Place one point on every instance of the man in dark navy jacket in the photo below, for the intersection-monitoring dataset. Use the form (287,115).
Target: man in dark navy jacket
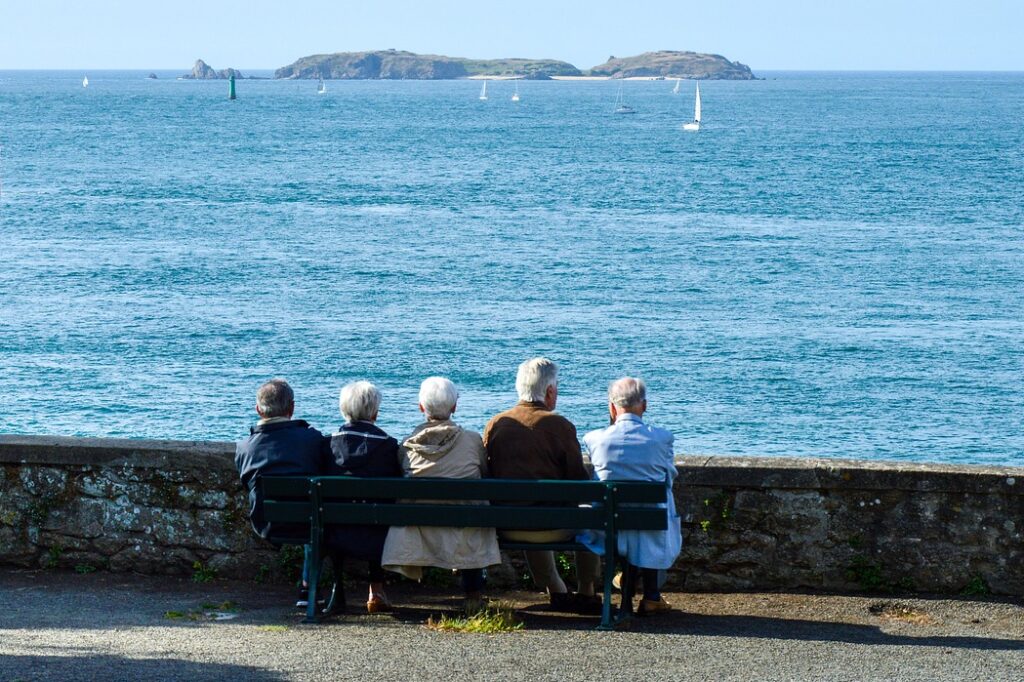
(277,446)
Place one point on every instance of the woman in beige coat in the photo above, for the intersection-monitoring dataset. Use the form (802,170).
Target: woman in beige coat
(440,448)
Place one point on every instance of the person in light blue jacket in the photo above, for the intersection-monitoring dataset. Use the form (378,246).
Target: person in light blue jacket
(630,450)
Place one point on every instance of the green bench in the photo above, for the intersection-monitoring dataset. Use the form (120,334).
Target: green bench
(320,501)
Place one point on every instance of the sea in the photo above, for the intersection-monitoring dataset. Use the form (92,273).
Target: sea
(833,266)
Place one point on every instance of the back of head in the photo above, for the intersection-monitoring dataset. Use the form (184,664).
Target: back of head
(275,398)
(359,401)
(534,377)
(627,393)
(438,397)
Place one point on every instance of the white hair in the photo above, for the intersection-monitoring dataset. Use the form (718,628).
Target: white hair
(359,401)
(274,399)
(627,392)
(534,377)
(438,397)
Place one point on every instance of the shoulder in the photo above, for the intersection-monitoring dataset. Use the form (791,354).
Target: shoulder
(660,434)
(472,437)
(595,437)
(556,422)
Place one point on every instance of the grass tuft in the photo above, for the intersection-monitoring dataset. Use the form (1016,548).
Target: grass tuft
(902,612)
(273,628)
(495,617)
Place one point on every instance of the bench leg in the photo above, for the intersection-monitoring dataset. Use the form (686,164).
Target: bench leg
(314,579)
(606,607)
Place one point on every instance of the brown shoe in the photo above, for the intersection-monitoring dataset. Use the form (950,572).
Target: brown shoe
(379,604)
(651,608)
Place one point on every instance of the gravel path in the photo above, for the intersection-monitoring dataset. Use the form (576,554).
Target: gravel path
(60,626)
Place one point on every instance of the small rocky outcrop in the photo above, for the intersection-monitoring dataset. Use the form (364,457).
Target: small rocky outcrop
(202,71)
(151,76)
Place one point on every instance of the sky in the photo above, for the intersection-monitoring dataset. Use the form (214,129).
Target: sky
(764,34)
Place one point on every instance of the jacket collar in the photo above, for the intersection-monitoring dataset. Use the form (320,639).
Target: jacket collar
(277,426)
(629,417)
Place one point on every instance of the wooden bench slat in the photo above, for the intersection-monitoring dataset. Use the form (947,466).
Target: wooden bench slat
(525,518)
(278,511)
(285,486)
(455,489)
(477,516)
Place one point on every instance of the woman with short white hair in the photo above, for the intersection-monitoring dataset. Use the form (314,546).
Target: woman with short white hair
(440,448)
(360,448)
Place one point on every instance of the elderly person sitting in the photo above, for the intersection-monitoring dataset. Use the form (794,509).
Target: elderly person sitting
(359,448)
(531,442)
(630,450)
(278,446)
(440,448)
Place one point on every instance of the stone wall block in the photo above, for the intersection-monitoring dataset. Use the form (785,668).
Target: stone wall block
(148,558)
(83,517)
(44,481)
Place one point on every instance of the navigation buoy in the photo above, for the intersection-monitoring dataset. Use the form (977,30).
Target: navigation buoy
(231,87)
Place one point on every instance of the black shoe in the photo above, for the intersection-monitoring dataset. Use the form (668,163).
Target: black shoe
(572,602)
(587,604)
(561,601)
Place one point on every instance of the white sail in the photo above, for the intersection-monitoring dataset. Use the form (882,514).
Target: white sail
(483,92)
(515,95)
(694,125)
(322,88)
(85,82)
(675,90)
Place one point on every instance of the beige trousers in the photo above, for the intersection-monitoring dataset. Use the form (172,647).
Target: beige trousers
(543,568)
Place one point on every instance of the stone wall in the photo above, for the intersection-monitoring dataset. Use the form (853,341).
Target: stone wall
(770,523)
(126,505)
(748,523)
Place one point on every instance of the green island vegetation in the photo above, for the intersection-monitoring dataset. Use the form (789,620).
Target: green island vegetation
(401,65)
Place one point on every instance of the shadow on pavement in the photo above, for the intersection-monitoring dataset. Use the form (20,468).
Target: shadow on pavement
(537,618)
(94,666)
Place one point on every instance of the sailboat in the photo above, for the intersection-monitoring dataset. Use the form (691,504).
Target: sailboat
(620,106)
(675,90)
(483,92)
(85,82)
(322,88)
(515,95)
(695,124)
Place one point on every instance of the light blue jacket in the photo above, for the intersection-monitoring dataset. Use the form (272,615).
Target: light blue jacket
(630,450)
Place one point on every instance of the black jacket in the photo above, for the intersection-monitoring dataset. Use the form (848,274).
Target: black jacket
(361,449)
(291,448)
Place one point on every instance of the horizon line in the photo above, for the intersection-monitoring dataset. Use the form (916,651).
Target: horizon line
(773,70)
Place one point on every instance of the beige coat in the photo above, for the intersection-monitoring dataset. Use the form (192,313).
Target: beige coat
(441,449)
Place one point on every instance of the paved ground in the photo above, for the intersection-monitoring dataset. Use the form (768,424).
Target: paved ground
(61,626)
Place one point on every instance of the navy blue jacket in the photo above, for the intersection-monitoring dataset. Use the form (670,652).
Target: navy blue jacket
(361,449)
(291,448)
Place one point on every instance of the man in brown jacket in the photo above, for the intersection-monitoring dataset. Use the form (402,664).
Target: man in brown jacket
(530,441)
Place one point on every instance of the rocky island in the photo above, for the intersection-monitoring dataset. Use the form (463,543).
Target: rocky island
(202,71)
(671,64)
(400,65)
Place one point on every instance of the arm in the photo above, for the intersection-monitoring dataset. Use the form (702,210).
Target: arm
(573,468)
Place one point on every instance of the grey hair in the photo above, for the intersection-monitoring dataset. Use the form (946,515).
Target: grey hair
(438,397)
(534,377)
(627,392)
(359,401)
(274,399)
